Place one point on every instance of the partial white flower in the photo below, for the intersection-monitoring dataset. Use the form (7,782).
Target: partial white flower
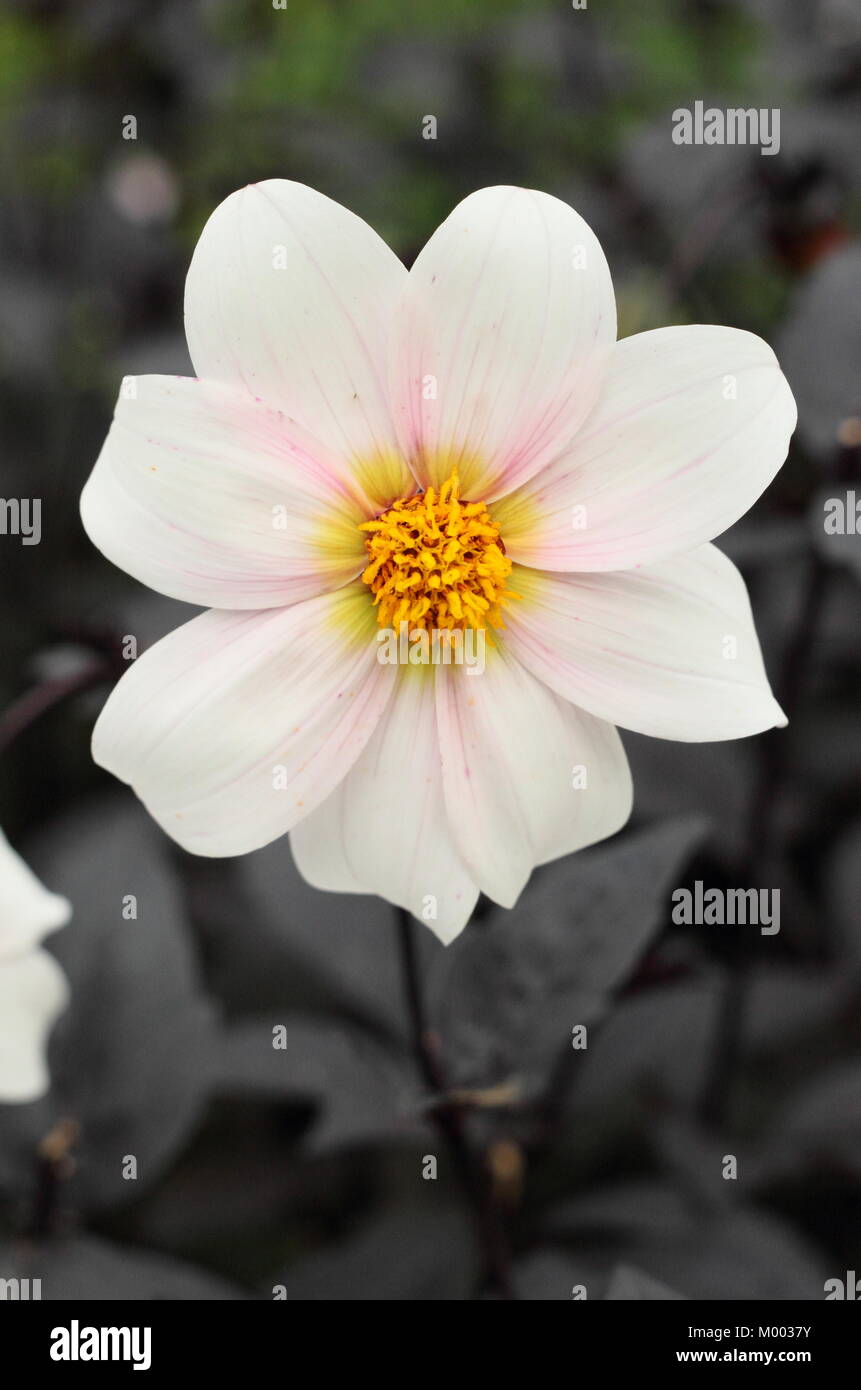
(464,446)
(33,989)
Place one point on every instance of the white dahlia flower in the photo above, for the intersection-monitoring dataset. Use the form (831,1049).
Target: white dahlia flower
(462,448)
(33,989)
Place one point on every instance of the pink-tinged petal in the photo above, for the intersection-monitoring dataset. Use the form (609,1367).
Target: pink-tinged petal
(28,912)
(237,725)
(385,827)
(291,297)
(319,846)
(692,426)
(527,776)
(33,992)
(503,340)
(668,650)
(211,497)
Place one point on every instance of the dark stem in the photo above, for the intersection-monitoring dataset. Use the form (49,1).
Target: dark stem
(794,670)
(55,1164)
(450,1120)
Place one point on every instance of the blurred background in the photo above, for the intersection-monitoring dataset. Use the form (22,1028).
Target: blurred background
(305,1170)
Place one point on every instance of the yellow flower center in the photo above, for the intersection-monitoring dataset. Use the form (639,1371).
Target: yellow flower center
(435,561)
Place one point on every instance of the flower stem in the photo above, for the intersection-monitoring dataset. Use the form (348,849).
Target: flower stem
(450,1121)
(55,1164)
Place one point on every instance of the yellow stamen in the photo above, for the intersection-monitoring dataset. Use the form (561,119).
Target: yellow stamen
(435,561)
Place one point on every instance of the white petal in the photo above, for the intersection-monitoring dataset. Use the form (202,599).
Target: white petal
(669,650)
(33,991)
(386,828)
(527,776)
(692,426)
(234,727)
(292,297)
(503,340)
(27,910)
(319,845)
(208,496)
